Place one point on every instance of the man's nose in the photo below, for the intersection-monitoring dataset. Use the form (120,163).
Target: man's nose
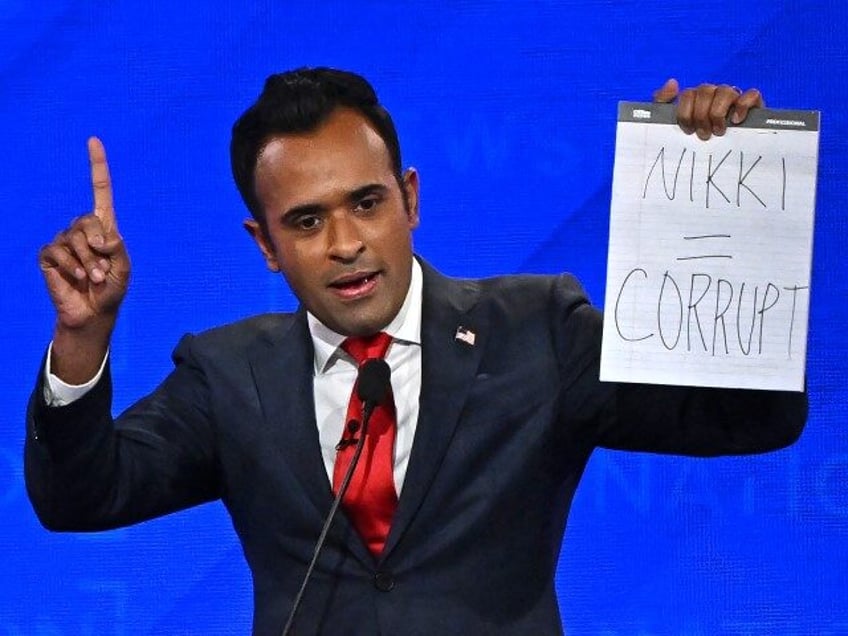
(343,236)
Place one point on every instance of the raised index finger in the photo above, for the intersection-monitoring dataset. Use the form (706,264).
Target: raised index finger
(101,184)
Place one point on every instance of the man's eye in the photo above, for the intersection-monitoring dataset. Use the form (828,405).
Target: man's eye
(368,204)
(307,222)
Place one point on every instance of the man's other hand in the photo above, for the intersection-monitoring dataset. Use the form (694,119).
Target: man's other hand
(706,109)
(86,269)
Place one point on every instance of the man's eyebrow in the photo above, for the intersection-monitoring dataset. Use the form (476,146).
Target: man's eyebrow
(307,209)
(364,191)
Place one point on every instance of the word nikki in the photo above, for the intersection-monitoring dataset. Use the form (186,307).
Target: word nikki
(718,179)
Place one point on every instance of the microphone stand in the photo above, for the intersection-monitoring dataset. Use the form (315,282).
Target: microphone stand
(367,409)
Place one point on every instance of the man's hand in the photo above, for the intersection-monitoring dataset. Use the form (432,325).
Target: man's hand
(705,110)
(87,270)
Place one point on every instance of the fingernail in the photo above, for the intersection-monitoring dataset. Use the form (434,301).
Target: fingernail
(736,118)
(98,240)
(104,264)
(79,272)
(96,275)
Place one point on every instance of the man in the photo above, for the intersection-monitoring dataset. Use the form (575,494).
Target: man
(495,400)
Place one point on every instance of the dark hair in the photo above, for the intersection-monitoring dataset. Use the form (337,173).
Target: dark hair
(300,101)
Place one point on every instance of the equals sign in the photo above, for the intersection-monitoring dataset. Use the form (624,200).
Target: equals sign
(701,237)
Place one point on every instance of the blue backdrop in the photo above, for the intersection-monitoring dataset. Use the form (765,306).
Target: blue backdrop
(508,111)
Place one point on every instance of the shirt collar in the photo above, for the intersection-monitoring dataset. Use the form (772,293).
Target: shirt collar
(404,327)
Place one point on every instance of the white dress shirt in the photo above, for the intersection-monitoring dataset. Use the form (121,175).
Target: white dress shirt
(335,373)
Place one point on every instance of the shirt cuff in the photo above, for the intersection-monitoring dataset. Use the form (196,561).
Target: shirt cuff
(59,393)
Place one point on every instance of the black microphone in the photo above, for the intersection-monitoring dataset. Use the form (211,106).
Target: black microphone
(344,442)
(373,383)
(372,386)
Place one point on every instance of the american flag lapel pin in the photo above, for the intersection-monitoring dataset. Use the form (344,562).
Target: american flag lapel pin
(464,334)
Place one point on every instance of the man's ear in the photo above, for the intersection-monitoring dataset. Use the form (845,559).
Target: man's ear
(410,186)
(260,236)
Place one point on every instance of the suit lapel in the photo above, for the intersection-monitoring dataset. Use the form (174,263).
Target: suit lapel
(282,370)
(282,367)
(449,365)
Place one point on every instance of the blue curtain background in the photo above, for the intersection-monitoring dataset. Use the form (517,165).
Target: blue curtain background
(508,111)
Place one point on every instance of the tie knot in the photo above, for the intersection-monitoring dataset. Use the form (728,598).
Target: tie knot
(364,348)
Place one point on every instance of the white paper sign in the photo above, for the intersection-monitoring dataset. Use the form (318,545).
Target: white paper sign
(708,273)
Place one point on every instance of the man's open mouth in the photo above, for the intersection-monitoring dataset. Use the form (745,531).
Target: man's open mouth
(355,285)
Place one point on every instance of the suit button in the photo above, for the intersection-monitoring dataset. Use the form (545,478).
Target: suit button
(384,581)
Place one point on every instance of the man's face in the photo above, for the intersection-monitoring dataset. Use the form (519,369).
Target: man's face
(337,226)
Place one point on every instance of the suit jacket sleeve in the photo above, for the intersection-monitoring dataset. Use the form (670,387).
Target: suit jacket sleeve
(694,421)
(86,471)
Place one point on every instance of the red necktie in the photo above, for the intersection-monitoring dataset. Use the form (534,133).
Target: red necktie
(370,500)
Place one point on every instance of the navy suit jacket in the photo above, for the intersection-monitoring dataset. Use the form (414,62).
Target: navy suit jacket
(505,429)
